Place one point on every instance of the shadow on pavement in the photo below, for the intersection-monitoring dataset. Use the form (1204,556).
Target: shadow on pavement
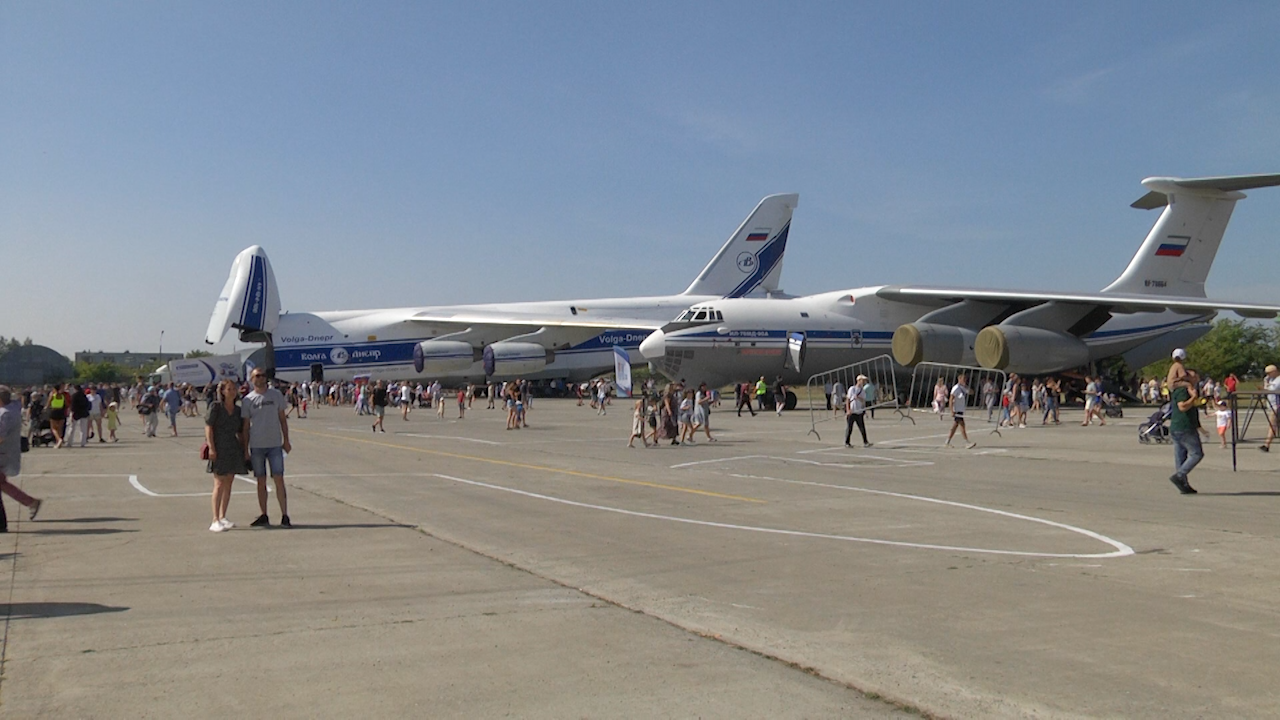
(88,520)
(1247,493)
(30,611)
(78,531)
(343,526)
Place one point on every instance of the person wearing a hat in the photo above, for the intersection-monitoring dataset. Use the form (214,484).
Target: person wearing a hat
(855,406)
(1271,383)
(1178,370)
(1184,424)
(113,420)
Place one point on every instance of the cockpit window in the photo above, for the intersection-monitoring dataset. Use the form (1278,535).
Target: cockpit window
(702,315)
(685,316)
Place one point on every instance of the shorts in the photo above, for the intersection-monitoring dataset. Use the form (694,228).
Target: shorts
(260,458)
(380,410)
(959,419)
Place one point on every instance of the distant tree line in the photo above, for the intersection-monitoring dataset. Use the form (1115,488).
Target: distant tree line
(1232,346)
(7,344)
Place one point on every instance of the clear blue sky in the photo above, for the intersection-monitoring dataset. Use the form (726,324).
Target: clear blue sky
(389,154)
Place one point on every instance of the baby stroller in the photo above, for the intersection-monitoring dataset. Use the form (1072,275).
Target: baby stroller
(41,433)
(1155,428)
(1111,406)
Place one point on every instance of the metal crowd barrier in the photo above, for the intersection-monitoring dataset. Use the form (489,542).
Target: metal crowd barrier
(883,390)
(1253,401)
(925,377)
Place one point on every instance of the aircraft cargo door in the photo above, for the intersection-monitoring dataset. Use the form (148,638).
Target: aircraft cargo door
(796,347)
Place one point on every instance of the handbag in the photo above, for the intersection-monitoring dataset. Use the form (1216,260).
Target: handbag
(204,451)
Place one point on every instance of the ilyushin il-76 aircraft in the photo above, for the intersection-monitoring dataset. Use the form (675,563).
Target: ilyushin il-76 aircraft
(1158,303)
(567,339)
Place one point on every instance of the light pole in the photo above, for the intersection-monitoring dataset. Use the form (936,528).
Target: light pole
(161,356)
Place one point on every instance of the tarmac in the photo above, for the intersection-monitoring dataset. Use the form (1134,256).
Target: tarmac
(452,568)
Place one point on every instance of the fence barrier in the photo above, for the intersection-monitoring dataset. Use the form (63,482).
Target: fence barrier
(985,388)
(831,386)
(1253,401)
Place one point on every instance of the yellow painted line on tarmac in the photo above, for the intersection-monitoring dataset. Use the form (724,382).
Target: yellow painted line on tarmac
(542,468)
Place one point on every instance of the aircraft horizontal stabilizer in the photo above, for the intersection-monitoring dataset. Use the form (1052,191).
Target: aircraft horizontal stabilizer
(1162,187)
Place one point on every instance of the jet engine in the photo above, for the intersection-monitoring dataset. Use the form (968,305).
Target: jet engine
(926,342)
(511,359)
(1029,350)
(443,356)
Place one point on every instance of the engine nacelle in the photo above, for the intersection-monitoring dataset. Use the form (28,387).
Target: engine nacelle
(1029,350)
(443,356)
(511,359)
(925,342)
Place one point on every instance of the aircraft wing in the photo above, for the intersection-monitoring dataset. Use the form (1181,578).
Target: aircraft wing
(549,331)
(1115,303)
(533,321)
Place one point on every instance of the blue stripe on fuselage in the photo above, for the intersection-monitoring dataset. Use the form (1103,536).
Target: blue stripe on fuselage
(385,352)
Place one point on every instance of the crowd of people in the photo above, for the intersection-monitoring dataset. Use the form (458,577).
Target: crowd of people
(246,425)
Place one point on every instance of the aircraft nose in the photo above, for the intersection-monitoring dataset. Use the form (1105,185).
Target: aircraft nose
(654,346)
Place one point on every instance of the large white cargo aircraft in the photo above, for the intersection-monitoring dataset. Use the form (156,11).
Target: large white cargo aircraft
(568,339)
(1158,303)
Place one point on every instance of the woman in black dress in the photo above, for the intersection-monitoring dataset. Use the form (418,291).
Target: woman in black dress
(227,449)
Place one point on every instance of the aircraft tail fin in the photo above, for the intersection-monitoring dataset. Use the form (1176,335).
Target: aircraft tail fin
(1176,255)
(249,301)
(751,260)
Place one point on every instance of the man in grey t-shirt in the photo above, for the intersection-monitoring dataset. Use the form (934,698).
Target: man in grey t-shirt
(268,430)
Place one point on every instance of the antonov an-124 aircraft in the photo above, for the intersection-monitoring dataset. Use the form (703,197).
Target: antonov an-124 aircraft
(568,339)
(1158,303)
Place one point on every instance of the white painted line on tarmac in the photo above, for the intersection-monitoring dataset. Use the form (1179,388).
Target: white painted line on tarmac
(909,439)
(717,460)
(133,480)
(137,485)
(886,462)
(451,437)
(1121,549)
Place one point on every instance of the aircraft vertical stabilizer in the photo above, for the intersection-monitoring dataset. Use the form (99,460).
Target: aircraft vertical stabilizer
(1176,256)
(249,301)
(751,260)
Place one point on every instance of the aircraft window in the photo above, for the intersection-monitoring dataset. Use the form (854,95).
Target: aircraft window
(719,316)
(702,315)
(804,314)
(684,316)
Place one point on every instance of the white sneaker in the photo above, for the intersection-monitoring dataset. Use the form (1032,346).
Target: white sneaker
(216,527)
(971,446)
(226,524)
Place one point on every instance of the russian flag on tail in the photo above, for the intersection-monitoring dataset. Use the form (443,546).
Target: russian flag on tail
(1174,246)
(758,236)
